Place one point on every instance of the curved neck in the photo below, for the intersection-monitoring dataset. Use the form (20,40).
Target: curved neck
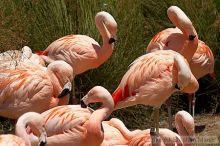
(180,20)
(21,125)
(185,126)
(56,83)
(94,128)
(184,73)
(105,24)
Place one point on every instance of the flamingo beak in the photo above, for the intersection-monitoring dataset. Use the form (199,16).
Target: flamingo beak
(191,37)
(66,90)
(111,40)
(177,87)
(83,102)
(42,143)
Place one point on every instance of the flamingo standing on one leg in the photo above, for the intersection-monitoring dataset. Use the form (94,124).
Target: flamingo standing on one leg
(31,87)
(35,123)
(81,51)
(13,58)
(201,59)
(72,125)
(152,79)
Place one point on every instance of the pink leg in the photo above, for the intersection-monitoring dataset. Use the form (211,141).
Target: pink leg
(190,103)
(193,104)
(192,100)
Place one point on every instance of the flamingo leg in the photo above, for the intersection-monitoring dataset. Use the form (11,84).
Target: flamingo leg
(193,104)
(73,99)
(155,138)
(156,119)
(190,103)
(168,103)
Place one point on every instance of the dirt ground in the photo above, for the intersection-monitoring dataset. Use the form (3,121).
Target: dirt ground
(207,130)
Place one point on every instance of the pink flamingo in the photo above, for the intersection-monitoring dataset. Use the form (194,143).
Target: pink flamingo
(116,133)
(13,58)
(201,59)
(81,51)
(152,79)
(72,125)
(34,122)
(185,126)
(35,88)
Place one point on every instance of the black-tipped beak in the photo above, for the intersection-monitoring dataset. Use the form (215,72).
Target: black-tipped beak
(64,93)
(191,37)
(42,143)
(66,90)
(177,87)
(111,40)
(83,105)
(192,139)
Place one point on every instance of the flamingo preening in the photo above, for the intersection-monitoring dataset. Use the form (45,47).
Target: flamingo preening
(32,87)
(72,125)
(200,58)
(152,79)
(34,122)
(83,52)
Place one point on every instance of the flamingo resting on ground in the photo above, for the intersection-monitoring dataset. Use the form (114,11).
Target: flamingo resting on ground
(201,59)
(152,79)
(185,126)
(31,87)
(34,122)
(81,51)
(14,58)
(72,125)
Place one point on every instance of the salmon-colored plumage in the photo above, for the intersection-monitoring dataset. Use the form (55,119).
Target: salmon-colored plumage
(200,57)
(32,87)
(13,58)
(72,125)
(83,52)
(151,80)
(34,122)
(185,126)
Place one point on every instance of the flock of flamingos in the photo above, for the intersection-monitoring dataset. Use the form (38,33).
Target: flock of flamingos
(35,87)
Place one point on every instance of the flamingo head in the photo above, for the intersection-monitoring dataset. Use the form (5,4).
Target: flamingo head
(99,94)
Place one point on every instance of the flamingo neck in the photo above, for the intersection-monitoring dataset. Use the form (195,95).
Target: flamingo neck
(107,48)
(180,20)
(21,129)
(182,131)
(56,83)
(94,128)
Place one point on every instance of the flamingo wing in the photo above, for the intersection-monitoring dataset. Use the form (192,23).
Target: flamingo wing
(24,88)
(148,77)
(77,50)
(11,140)
(203,61)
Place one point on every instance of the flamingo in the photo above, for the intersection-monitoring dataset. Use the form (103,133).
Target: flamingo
(13,58)
(34,122)
(201,59)
(70,125)
(31,87)
(186,134)
(83,52)
(152,79)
